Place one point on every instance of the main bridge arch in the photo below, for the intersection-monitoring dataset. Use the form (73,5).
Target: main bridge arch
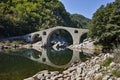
(61,34)
(75,33)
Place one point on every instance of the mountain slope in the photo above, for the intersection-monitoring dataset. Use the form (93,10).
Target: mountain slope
(19,17)
(80,20)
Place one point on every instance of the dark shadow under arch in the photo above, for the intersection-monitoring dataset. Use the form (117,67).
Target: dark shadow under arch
(36,37)
(60,33)
(60,57)
(83,36)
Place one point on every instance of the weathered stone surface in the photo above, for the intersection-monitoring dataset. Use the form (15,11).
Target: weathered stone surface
(106,77)
(112,64)
(98,76)
(118,78)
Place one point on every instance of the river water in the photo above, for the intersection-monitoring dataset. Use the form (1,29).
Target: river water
(17,64)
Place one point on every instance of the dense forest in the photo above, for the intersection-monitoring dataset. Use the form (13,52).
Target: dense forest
(19,17)
(105,25)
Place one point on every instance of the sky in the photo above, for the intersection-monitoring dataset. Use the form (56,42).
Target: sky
(84,7)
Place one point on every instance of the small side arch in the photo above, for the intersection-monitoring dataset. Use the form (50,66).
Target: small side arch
(36,37)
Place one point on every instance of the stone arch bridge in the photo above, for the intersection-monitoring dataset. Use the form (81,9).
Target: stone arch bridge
(44,35)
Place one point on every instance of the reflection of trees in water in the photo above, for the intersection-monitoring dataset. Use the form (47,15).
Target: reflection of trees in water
(15,63)
(36,54)
(84,56)
(60,57)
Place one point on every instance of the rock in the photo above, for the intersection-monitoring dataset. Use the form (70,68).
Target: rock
(83,74)
(54,73)
(79,78)
(98,76)
(96,58)
(60,79)
(39,76)
(60,75)
(106,77)
(79,70)
(45,72)
(67,78)
(112,64)
(90,73)
(97,67)
(71,69)
(88,70)
(73,77)
(87,78)
(118,78)
(81,64)
(108,55)
(31,78)
(65,72)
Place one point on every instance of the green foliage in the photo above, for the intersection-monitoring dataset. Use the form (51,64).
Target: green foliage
(7,43)
(116,72)
(105,24)
(107,62)
(81,21)
(18,17)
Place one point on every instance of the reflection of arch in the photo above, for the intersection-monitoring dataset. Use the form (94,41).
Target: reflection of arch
(36,55)
(75,57)
(82,37)
(65,33)
(44,33)
(60,57)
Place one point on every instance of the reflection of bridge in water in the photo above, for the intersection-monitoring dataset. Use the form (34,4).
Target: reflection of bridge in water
(43,58)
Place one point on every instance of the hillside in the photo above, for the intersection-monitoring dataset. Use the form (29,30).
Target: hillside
(105,25)
(80,20)
(19,17)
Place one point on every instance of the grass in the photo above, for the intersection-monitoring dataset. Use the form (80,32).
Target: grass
(98,47)
(116,72)
(107,62)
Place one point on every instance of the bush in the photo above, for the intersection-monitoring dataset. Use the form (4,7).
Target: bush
(107,62)
(7,43)
(116,72)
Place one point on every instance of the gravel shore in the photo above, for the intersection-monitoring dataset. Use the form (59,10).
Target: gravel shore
(92,69)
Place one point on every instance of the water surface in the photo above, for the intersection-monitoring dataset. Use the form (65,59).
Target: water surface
(17,64)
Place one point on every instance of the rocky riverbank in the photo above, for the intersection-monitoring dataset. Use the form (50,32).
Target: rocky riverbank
(100,67)
(86,45)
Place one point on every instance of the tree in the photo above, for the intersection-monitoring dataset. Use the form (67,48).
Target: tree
(105,24)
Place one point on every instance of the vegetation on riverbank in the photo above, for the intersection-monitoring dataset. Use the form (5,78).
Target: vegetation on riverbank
(105,25)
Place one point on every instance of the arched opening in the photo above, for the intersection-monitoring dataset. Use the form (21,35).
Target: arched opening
(44,33)
(59,36)
(36,38)
(83,37)
(76,31)
(36,54)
